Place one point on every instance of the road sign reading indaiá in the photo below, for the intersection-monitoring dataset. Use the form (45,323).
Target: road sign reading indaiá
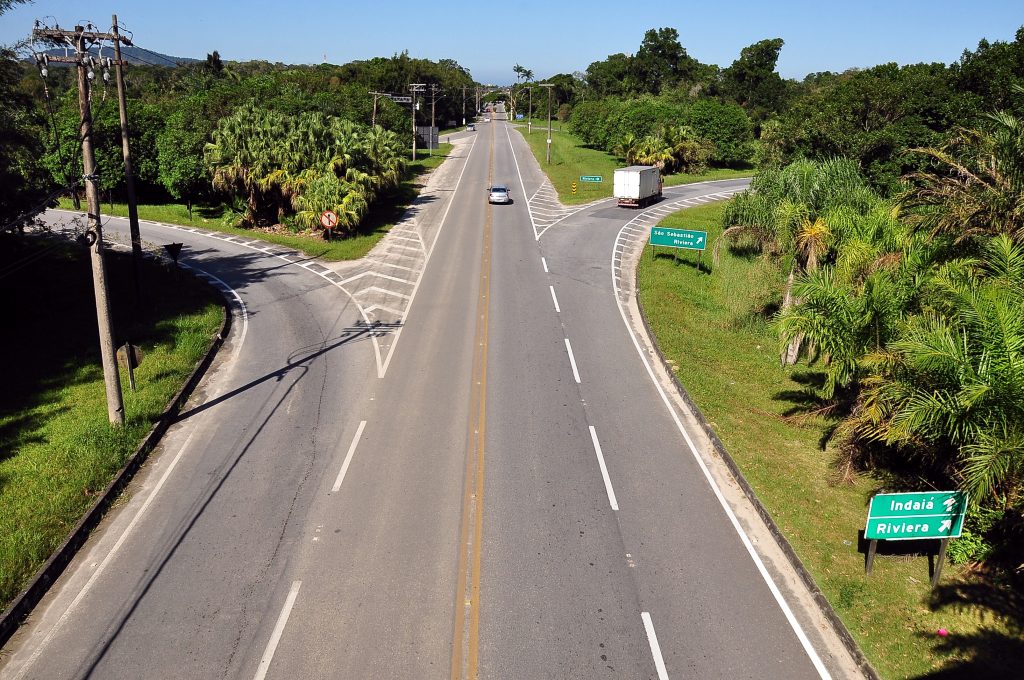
(928,514)
(679,238)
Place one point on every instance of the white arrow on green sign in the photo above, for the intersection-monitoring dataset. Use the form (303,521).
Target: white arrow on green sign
(690,239)
(591,178)
(928,514)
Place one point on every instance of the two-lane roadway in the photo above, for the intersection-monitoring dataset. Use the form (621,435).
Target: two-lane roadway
(514,497)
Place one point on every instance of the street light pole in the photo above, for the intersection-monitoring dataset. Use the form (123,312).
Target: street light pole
(548,86)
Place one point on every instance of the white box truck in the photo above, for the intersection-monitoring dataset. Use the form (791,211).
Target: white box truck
(637,185)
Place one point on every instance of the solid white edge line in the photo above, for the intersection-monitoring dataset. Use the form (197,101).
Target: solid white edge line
(267,251)
(652,639)
(572,361)
(348,457)
(275,637)
(241,304)
(776,593)
(545,263)
(555,300)
(426,260)
(107,559)
(604,470)
(529,212)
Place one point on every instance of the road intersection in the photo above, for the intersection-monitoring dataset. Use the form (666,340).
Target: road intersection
(457,457)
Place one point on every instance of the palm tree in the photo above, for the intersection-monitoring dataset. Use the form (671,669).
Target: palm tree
(953,381)
(975,186)
(626,148)
(246,155)
(786,214)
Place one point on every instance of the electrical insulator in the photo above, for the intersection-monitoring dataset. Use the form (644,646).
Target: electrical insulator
(41,61)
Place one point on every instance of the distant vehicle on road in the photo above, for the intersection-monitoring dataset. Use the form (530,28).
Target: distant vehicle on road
(637,185)
(499,194)
(471,127)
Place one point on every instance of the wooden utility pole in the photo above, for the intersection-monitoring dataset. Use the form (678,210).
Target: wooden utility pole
(94,237)
(415,87)
(129,178)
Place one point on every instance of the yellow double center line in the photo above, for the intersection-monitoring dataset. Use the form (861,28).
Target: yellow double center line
(465,643)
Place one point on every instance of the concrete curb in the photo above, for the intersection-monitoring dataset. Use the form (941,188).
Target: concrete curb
(48,574)
(823,604)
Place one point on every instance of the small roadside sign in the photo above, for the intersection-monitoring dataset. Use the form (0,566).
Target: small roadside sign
(328,219)
(690,239)
(902,516)
(591,178)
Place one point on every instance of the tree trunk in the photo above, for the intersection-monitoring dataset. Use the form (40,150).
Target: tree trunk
(792,351)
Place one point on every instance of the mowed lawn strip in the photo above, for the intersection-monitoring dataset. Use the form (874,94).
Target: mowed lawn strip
(727,358)
(383,216)
(570,160)
(57,449)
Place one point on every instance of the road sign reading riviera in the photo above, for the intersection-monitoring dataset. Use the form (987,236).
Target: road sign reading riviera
(591,178)
(929,514)
(679,238)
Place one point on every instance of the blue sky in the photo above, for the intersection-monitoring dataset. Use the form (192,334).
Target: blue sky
(547,37)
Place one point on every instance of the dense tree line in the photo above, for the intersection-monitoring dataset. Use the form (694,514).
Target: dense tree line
(176,112)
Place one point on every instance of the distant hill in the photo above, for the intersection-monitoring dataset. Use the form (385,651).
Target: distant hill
(134,55)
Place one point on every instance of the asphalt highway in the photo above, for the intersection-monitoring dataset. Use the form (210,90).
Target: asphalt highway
(509,497)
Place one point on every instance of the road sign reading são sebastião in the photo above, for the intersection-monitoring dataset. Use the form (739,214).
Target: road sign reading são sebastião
(690,239)
(928,514)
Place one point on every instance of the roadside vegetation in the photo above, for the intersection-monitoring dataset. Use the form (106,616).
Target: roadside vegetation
(57,449)
(308,240)
(861,329)
(718,333)
(571,159)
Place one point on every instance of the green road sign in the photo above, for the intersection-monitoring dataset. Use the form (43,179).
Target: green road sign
(591,178)
(928,514)
(679,238)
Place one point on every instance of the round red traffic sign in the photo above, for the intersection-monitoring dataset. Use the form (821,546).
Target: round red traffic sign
(328,219)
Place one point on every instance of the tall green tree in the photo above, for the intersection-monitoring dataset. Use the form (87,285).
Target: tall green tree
(752,81)
(180,146)
(661,62)
(23,178)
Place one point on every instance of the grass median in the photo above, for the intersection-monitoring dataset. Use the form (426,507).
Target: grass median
(727,357)
(218,217)
(570,160)
(57,450)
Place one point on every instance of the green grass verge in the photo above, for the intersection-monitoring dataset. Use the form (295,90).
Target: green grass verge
(381,219)
(727,358)
(570,160)
(57,450)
